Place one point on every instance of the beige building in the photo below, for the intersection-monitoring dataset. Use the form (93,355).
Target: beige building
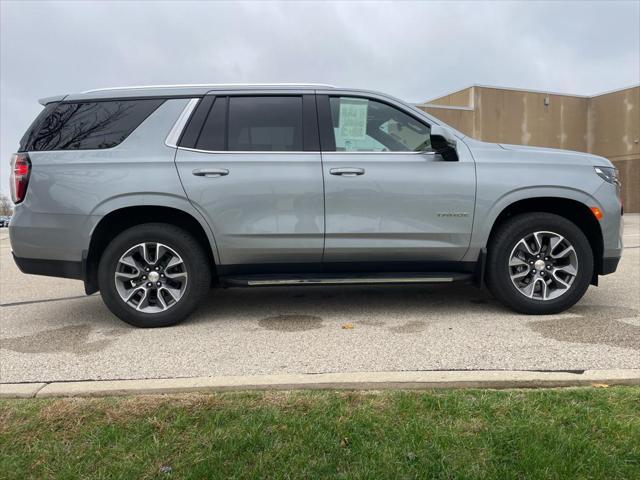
(606,124)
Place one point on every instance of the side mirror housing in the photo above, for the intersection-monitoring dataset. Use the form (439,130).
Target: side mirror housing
(444,143)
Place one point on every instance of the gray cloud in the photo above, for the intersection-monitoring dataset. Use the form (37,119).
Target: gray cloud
(414,50)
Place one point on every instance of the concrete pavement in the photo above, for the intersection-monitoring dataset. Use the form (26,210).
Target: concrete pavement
(49,331)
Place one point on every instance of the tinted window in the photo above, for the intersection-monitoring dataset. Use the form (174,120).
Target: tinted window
(362,125)
(265,124)
(212,136)
(90,125)
(192,131)
(36,126)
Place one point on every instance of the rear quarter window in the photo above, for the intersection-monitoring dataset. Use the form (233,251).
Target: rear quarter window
(86,125)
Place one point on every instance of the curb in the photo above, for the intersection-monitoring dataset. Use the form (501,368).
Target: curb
(20,390)
(351,381)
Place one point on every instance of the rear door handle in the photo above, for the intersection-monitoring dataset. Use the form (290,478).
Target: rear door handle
(347,172)
(210,172)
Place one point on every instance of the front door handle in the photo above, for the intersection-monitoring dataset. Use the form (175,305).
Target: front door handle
(347,172)
(210,172)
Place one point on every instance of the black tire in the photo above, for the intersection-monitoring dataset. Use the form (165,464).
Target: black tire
(499,251)
(195,260)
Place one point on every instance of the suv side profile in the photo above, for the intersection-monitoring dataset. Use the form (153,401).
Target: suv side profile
(152,195)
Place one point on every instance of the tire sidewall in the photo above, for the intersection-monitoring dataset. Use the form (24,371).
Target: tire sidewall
(177,239)
(499,280)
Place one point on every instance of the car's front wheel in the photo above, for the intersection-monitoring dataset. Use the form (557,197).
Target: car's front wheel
(539,263)
(153,275)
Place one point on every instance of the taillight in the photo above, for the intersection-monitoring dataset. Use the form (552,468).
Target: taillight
(20,171)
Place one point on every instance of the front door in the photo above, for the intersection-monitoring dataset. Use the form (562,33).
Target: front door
(253,169)
(388,198)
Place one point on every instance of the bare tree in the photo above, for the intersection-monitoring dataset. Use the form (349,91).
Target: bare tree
(6,206)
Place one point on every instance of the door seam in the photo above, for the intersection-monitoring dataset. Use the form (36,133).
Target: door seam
(324,192)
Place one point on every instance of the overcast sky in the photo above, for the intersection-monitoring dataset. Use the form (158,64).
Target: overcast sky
(413,50)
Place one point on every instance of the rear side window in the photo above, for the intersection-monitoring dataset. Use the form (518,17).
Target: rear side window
(213,130)
(265,124)
(86,125)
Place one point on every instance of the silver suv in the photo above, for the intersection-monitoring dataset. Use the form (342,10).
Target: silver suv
(152,195)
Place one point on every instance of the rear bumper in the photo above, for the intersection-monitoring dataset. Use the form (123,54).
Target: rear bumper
(50,268)
(50,236)
(609,265)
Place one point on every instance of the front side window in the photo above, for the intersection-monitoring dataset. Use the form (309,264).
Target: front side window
(363,125)
(87,125)
(265,124)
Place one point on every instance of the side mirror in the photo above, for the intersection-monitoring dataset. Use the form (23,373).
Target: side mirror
(444,142)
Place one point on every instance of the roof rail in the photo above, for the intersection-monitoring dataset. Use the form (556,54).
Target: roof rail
(213,85)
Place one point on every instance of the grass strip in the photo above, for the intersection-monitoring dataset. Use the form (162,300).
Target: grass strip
(551,433)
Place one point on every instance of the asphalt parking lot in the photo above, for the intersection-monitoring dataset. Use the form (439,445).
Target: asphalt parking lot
(50,331)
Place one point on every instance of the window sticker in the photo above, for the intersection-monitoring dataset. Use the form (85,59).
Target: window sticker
(353,119)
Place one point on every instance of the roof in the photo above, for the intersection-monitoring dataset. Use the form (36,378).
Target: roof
(181,90)
(214,86)
(198,90)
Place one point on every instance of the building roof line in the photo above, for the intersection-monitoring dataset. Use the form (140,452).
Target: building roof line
(528,90)
(447,107)
(637,85)
(447,94)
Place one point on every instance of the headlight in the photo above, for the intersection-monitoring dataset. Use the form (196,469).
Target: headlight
(608,174)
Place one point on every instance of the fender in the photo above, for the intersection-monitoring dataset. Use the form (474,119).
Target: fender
(486,216)
(152,199)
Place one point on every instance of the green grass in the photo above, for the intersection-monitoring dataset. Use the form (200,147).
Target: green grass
(528,434)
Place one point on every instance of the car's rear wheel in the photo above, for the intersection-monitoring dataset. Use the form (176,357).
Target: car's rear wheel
(539,263)
(153,275)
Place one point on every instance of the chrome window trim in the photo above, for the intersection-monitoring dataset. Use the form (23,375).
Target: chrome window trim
(197,150)
(178,127)
(379,153)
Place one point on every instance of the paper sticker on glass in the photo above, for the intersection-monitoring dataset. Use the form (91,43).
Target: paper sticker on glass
(353,118)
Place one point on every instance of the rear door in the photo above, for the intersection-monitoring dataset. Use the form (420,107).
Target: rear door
(251,165)
(388,197)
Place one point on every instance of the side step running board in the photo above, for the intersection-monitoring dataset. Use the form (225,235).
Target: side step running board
(346,279)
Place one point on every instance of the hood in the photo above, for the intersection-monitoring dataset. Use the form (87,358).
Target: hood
(594,160)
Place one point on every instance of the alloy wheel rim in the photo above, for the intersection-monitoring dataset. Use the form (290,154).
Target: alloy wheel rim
(151,277)
(543,265)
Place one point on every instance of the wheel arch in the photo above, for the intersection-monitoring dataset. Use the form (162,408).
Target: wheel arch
(573,210)
(118,220)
